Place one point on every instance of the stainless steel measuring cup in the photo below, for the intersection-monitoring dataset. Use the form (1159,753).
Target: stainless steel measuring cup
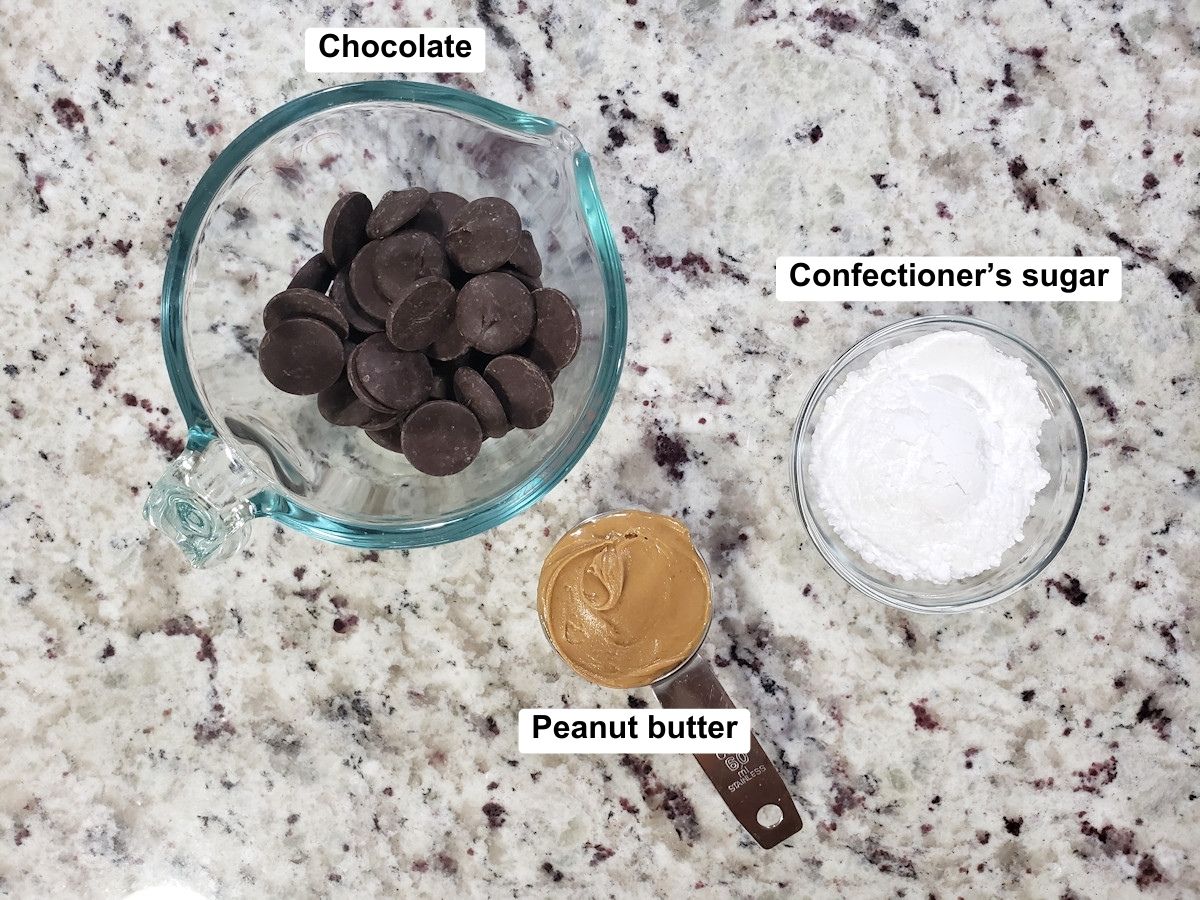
(748,783)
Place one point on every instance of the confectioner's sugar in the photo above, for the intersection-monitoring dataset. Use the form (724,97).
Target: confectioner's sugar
(925,462)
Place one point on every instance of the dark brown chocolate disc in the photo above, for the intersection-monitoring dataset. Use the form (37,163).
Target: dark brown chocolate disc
(483,235)
(523,389)
(362,283)
(360,391)
(343,299)
(390,437)
(556,331)
(525,258)
(304,303)
(314,274)
(394,210)
(396,379)
(473,392)
(436,215)
(420,315)
(301,356)
(441,437)
(528,280)
(448,346)
(495,312)
(381,421)
(346,228)
(405,257)
(339,405)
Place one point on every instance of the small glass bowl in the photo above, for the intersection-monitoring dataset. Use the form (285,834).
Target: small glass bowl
(1063,450)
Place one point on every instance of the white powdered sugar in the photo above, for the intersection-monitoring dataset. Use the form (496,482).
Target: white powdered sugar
(925,462)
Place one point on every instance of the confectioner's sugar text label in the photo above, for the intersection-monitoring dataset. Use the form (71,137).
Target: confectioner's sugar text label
(958,279)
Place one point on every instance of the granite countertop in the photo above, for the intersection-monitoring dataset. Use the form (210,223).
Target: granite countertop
(309,719)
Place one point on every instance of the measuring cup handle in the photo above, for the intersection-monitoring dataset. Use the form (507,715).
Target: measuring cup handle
(749,783)
(203,501)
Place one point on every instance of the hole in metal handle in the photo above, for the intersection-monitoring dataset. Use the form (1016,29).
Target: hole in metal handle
(769,815)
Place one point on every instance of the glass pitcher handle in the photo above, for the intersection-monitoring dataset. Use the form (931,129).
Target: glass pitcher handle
(203,501)
(749,783)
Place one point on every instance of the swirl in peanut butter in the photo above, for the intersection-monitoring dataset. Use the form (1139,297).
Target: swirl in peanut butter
(625,598)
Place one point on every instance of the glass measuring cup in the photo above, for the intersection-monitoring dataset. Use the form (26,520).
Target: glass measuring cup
(257,213)
(748,783)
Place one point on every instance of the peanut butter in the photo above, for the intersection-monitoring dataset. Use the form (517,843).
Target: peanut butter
(625,598)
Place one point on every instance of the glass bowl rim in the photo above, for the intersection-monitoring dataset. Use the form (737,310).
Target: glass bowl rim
(849,574)
(517,498)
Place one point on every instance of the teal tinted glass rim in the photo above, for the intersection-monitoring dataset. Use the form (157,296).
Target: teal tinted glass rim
(612,353)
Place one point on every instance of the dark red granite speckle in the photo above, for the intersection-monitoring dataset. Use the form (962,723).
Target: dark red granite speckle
(185,626)
(1148,872)
(1099,393)
(1013,826)
(659,795)
(1097,775)
(834,20)
(289,172)
(844,798)
(1182,282)
(815,133)
(67,112)
(525,76)
(1166,631)
(100,371)
(172,446)
(555,874)
(671,453)
(207,730)
(886,861)
(662,143)
(671,98)
(1069,587)
(1148,712)
(600,853)
(1149,181)
(1116,842)
(922,718)
(177,31)
(495,814)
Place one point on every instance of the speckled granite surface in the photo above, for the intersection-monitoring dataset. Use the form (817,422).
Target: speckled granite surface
(312,720)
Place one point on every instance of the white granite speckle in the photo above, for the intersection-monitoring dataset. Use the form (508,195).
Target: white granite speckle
(214,730)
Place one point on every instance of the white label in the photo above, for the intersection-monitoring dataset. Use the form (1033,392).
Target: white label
(961,279)
(633,731)
(394,49)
